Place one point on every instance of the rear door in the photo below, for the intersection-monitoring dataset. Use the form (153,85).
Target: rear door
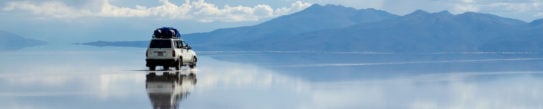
(160,49)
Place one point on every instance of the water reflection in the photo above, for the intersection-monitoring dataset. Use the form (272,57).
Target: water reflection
(166,91)
(107,81)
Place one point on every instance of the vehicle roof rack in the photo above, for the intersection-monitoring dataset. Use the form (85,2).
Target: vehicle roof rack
(166,32)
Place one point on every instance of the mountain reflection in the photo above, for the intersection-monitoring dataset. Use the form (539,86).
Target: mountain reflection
(167,90)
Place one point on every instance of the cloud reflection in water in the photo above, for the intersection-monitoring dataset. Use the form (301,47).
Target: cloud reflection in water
(236,85)
(249,85)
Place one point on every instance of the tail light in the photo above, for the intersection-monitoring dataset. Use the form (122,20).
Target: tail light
(173,53)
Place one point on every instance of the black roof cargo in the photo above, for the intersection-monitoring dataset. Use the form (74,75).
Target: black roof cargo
(166,32)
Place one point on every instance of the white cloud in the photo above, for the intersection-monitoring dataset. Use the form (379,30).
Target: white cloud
(539,14)
(465,6)
(468,1)
(189,10)
(53,9)
(296,6)
(518,7)
(205,11)
(523,9)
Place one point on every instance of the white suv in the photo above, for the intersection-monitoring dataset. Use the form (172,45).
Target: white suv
(169,52)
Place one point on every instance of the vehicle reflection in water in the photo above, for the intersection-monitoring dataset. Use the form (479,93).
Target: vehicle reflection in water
(166,91)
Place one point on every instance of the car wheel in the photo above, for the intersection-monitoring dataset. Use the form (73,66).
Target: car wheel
(192,75)
(193,63)
(151,75)
(166,67)
(178,65)
(152,68)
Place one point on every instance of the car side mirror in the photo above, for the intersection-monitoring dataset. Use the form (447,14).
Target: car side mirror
(188,47)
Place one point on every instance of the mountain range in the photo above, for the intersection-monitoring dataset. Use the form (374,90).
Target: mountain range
(10,42)
(338,28)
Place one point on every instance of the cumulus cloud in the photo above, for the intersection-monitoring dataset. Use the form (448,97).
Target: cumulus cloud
(199,10)
(523,9)
(54,9)
(465,6)
(535,6)
(516,6)
(520,9)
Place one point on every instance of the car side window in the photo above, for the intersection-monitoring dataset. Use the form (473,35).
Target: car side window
(174,44)
(184,44)
(179,44)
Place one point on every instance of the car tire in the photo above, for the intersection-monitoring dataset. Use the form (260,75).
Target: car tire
(166,67)
(192,75)
(178,65)
(193,63)
(152,68)
(151,75)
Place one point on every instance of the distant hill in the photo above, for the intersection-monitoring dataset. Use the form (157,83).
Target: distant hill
(137,44)
(529,38)
(314,18)
(339,28)
(416,32)
(10,41)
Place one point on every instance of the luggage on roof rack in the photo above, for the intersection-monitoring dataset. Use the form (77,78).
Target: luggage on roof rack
(166,32)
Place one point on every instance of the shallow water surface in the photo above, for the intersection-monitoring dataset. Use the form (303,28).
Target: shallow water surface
(112,78)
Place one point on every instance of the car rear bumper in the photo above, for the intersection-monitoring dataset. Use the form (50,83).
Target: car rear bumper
(160,62)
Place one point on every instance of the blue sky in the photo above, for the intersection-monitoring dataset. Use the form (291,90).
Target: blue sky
(94,19)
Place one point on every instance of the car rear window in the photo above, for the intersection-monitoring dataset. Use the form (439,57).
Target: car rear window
(160,44)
